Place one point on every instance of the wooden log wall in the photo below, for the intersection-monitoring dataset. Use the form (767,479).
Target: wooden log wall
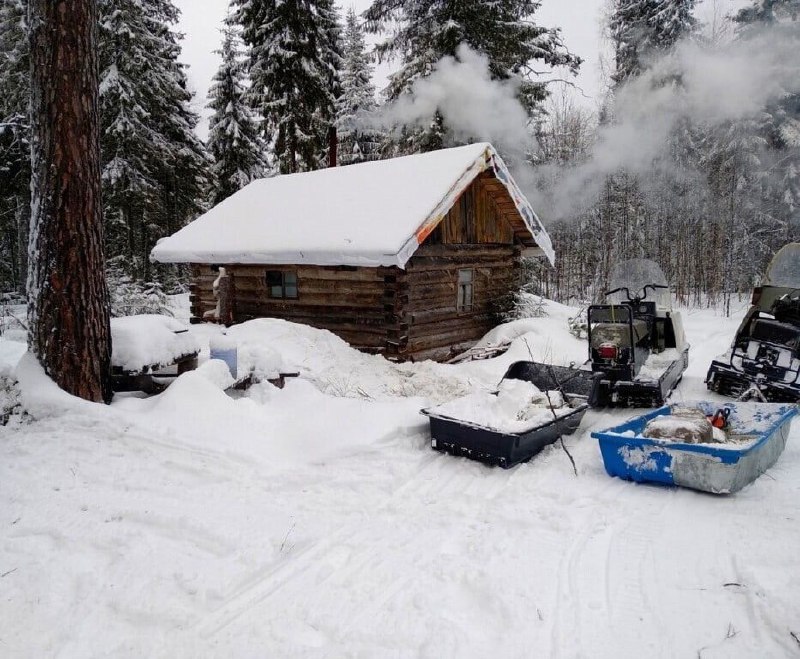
(347,301)
(426,323)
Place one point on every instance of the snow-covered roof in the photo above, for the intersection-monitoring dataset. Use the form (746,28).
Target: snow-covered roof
(370,214)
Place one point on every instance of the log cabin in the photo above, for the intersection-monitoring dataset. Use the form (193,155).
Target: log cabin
(406,257)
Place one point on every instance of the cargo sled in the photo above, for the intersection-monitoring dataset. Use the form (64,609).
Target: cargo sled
(636,340)
(756,436)
(763,362)
(465,437)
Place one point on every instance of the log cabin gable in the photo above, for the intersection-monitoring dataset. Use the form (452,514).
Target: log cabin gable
(476,217)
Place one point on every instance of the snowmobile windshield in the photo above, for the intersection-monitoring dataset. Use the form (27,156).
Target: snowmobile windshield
(634,275)
(784,269)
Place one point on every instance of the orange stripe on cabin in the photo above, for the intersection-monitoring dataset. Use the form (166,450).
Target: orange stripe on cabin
(426,229)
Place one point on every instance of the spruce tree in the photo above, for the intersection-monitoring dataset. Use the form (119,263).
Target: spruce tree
(234,140)
(424,31)
(357,141)
(643,29)
(777,164)
(768,13)
(294,64)
(15,170)
(155,169)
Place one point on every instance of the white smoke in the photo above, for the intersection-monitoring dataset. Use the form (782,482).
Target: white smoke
(473,105)
(706,85)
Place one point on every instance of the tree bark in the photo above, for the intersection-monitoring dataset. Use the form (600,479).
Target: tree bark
(22,216)
(68,306)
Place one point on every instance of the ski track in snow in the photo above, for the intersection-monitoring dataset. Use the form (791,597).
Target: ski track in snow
(123,538)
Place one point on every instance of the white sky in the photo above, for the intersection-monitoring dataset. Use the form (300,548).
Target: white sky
(580,21)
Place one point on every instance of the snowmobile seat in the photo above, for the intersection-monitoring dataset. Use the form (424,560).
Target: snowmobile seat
(765,329)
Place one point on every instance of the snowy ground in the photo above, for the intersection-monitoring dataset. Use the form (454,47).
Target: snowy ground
(315,521)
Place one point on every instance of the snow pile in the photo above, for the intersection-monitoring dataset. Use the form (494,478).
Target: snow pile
(281,428)
(337,369)
(542,339)
(40,396)
(518,406)
(149,340)
(262,362)
(657,363)
(215,371)
(10,354)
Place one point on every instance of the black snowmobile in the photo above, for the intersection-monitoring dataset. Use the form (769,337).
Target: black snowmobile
(764,360)
(636,341)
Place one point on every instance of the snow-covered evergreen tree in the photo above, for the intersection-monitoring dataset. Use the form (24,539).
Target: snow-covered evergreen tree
(424,31)
(155,169)
(15,170)
(768,12)
(294,64)
(234,140)
(778,170)
(643,29)
(357,143)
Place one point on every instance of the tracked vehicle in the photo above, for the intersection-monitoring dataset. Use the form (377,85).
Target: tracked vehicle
(763,363)
(636,340)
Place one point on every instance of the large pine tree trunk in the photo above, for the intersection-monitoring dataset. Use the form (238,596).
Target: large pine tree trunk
(68,299)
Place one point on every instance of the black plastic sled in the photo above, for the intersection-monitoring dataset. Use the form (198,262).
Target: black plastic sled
(457,437)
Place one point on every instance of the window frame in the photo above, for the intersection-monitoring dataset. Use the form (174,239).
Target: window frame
(270,279)
(465,290)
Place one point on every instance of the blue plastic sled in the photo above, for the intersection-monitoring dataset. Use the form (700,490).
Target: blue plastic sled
(761,430)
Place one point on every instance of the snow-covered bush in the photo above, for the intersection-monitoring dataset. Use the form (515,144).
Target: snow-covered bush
(12,313)
(10,408)
(525,304)
(579,324)
(528,301)
(129,297)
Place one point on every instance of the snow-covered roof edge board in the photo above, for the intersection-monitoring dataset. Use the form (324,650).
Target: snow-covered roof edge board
(361,215)
(529,216)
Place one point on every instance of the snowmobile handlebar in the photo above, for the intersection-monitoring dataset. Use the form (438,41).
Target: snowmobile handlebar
(636,298)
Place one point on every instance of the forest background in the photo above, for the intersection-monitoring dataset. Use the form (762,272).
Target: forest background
(691,156)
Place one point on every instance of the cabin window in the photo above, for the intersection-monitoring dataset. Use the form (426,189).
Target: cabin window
(464,302)
(282,285)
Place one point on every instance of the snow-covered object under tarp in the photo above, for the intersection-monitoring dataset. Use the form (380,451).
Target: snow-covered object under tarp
(147,340)
(369,214)
(517,406)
